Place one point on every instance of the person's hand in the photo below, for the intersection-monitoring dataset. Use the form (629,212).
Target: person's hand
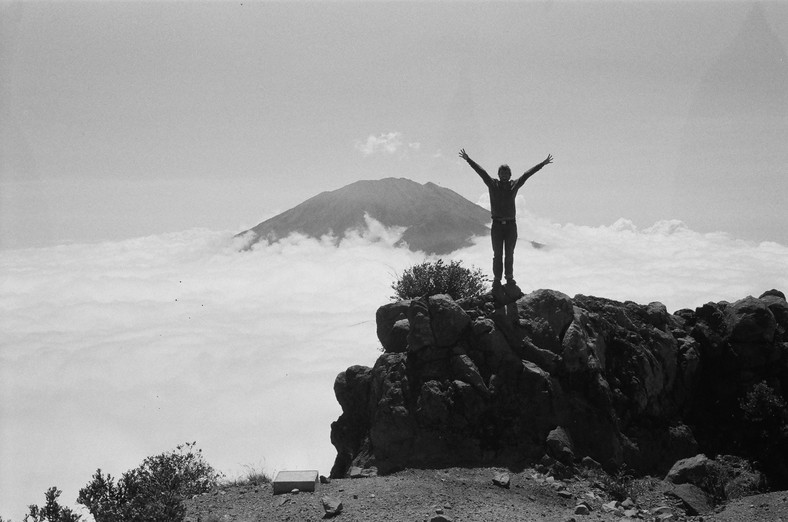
(549,159)
(463,155)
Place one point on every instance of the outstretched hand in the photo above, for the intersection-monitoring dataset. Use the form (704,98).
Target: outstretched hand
(463,155)
(549,159)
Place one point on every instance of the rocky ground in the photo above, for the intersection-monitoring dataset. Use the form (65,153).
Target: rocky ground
(469,494)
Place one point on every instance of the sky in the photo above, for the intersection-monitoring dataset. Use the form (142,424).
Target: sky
(137,138)
(123,119)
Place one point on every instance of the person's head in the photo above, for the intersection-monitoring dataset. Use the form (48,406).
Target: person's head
(504,173)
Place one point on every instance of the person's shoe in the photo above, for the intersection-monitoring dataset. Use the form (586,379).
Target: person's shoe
(496,283)
(511,282)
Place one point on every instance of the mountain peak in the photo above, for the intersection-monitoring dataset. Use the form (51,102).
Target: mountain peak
(436,220)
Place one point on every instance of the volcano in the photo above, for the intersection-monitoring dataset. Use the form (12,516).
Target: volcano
(435,220)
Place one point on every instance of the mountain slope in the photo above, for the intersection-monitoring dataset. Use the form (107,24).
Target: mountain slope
(436,220)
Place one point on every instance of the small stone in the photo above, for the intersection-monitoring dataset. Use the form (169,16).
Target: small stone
(281,501)
(331,505)
(565,494)
(439,511)
(610,506)
(441,518)
(324,480)
(356,472)
(628,504)
(631,513)
(582,509)
(295,491)
(502,480)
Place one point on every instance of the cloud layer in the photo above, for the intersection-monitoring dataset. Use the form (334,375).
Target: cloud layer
(112,352)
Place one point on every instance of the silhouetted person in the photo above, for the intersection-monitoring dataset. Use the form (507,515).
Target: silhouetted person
(502,208)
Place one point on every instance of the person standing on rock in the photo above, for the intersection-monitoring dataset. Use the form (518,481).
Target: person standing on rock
(502,208)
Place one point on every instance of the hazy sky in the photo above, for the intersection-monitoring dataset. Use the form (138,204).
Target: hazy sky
(126,119)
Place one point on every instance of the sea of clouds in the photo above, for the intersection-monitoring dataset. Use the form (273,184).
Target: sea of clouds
(116,351)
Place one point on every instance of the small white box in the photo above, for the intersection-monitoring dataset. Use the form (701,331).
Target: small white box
(287,481)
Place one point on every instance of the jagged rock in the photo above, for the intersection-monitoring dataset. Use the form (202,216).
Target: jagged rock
(420,333)
(390,327)
(693,470)
(694,499)
(545,315)
(464,369)
(484,385)
(559,445)
(502,480)
(582,509)
(332,506)
(447,319)
(590,463)
(776,302)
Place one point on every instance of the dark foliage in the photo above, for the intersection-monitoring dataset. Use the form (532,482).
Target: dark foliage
(52,511)
(151,492)
(428,278)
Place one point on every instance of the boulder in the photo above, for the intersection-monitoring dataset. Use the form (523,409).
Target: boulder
(420,333)
(545,315)
(465,383)
(448,320)
(695,500)
(750,320)
(559,445)
(465,370)
(694,470)
(385,319)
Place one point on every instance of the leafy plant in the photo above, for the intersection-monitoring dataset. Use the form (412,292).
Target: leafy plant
(152,492)
(431,278)
(52,510)
(764,407)
(619,485)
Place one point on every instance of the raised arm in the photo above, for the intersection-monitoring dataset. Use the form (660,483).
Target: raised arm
(533,170)
(480,171)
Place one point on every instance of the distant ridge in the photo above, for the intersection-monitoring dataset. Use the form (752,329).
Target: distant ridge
(436,220)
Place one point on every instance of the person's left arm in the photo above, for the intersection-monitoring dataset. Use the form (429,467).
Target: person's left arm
(533,170)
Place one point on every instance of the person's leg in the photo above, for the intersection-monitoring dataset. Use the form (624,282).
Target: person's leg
(497,233)
(510,240)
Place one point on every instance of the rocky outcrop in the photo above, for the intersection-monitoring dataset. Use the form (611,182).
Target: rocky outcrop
(480,382)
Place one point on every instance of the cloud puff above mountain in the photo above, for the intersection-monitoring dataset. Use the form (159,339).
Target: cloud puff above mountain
(115,351)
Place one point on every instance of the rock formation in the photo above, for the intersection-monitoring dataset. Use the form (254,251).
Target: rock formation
(479,382)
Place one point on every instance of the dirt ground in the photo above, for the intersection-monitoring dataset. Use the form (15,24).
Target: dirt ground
(462,494)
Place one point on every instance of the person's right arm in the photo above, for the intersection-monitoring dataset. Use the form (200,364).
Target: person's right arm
(480,171)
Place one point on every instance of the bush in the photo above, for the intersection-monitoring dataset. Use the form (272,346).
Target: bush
(439,278)
(152,492)
(763,407)
(52,511)
(619,485)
